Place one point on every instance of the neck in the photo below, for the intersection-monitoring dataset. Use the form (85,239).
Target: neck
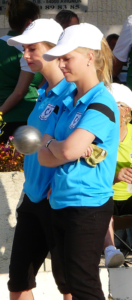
(85,85)
(52,74)
(123,132)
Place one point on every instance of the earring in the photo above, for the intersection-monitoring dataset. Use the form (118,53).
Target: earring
(88,64)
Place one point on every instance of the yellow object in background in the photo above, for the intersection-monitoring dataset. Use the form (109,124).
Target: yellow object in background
(2,124)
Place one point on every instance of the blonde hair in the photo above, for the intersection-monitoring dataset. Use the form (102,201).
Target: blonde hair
(127,118)
(49,45)
(103,62)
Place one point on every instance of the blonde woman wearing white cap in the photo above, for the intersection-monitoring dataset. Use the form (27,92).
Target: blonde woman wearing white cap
(123,176)
(81,197)
(33,235)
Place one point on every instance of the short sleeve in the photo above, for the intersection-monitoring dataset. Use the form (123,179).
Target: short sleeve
(124,42)
(99,119)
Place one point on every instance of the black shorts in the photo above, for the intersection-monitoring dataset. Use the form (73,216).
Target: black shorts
(33,240)
(80,233)
(122,208)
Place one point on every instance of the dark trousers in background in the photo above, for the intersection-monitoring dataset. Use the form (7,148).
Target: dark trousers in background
(123,208)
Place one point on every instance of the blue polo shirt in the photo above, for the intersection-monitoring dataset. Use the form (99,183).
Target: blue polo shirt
(77,183)
(46,111)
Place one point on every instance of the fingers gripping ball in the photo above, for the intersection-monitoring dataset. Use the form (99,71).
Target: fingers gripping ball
(27,139)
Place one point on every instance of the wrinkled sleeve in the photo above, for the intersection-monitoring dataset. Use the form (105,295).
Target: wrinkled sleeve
(99,119)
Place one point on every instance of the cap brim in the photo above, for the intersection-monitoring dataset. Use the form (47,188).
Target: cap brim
(57,51)
(23,39)
(17,40)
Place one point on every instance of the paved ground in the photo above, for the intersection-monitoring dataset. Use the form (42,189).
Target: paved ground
(46,287)
(115,282)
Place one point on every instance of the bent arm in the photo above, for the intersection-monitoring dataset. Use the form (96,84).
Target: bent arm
(19,92)
(45,156)
(73,147)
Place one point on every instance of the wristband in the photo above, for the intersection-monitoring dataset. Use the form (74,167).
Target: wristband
(47,144)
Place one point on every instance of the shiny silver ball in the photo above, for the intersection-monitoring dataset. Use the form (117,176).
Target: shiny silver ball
(27,139)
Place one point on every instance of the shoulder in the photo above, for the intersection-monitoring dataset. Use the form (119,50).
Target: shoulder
(129,126)
(124,43)
(105,97)
(105,103)
(127,24)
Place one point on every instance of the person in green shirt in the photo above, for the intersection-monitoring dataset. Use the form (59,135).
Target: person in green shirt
(18,84)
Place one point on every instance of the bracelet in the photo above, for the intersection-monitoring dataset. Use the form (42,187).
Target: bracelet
(47,144)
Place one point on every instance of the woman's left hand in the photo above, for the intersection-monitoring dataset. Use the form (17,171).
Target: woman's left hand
(125,174)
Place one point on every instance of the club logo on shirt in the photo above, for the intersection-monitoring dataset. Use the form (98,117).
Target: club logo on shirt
(47,112)
(131,156)
(75,120)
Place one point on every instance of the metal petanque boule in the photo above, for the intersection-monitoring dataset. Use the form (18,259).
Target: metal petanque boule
(27,139)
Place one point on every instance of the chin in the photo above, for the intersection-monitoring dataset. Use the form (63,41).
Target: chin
(69,78)
(33,68)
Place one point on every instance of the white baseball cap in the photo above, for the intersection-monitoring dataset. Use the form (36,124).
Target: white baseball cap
(121,93)
(81,35)
(40,30)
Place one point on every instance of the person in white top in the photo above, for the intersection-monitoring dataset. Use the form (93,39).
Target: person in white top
(123,51)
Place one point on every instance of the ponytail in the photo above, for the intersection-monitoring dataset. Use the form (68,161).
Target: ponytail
(104,63)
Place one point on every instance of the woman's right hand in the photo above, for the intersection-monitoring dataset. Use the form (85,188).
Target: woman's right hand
(125,174)
(87,152)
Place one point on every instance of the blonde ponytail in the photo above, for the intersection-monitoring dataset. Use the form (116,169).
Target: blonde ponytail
(104,63)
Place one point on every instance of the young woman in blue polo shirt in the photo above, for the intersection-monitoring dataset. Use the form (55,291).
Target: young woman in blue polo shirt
(81,197)
(33,235)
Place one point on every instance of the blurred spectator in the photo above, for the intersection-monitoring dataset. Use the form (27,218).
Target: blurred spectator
(112,39)
(18,85)
(123,177)
(67,18)
(123,51)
